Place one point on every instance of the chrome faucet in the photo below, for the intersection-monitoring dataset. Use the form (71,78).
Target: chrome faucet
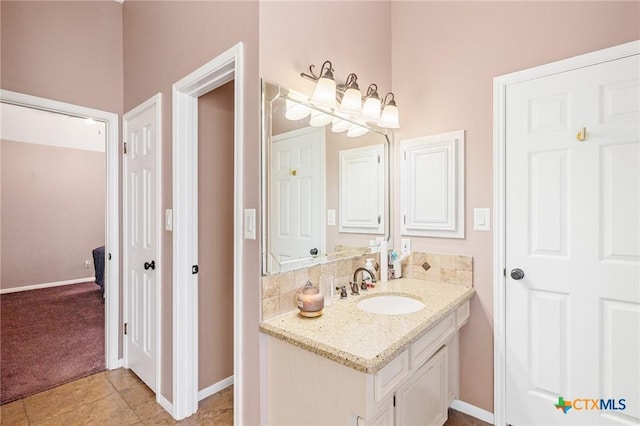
(354,283)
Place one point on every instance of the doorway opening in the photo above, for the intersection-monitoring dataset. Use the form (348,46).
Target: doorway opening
(111,238)
(223,69)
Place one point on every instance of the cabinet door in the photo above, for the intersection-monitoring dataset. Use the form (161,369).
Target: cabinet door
(384,417)
(423,399)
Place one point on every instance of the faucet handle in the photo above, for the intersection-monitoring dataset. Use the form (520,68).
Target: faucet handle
(354,288)
(343,291)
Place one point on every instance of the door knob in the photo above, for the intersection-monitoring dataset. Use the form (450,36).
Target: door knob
(151,265)
(313,252)
(517,274)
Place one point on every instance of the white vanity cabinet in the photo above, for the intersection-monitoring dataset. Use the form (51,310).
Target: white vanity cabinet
(414,388)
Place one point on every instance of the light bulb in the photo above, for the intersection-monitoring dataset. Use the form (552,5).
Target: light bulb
(296,111)
(319,118)
(356,130)
(351,101)
(371,109)
(325,92)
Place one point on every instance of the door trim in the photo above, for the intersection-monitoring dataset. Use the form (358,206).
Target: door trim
(112,229)
(500,85)
(154,101)
(226,67)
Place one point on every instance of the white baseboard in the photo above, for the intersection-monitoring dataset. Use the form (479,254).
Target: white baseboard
(472,411)
(47,285)
(215,388)
(164,403)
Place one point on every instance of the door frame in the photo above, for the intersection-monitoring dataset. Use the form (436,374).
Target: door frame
(224,68)
(500,85)
(154,101)
(112,225)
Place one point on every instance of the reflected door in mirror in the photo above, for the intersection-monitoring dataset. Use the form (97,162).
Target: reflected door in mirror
(296,199)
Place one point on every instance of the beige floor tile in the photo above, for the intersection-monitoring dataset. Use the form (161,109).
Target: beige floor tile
(122,378)
(13,414)
(65,398)
(77,417)
(112,410)
(138,394)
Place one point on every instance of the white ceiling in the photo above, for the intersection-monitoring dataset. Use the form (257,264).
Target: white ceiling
(29,125)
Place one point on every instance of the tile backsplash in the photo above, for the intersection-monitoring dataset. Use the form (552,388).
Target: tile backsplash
(279,290)
(448,268)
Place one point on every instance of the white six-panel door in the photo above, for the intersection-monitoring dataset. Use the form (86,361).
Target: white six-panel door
(297,196)
(141,252)
(573,229)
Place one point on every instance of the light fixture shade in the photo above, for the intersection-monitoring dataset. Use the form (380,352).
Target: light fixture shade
(340,125)
(356,130)
(296,111)
(389,118)
(351,101)
(371,109)
(319,119)
(325,92)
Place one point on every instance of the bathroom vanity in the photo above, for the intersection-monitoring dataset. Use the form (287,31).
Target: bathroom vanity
(353,367)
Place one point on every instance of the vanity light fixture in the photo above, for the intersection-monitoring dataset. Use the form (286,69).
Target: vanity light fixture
(389,118)
(372,105)
(352,99)
(319,118)
(325,91)
(369,109)
(296,111)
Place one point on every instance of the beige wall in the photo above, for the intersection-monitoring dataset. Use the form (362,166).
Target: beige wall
(215,235)
(53,212)
(165,41)
(445,56)
(66,51)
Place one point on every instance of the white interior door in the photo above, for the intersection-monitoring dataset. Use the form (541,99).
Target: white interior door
(297,194)
(573,229)
(141,251)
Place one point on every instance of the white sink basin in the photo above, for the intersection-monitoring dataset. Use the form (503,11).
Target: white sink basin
(390,304)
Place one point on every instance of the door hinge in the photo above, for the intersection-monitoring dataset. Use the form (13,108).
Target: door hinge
(194,269)
(109,256)
(504,272)
(404,154)
(379,219)
(378,158)
(125,328)
(125,147)
(404,219)
(394,400)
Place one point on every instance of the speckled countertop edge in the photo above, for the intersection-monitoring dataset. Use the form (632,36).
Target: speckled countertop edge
(364,341)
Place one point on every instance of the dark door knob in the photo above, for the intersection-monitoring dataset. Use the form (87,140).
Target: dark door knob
(151,265)
(313,252)
(517,274)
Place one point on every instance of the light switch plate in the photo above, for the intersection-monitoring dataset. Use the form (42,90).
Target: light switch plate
(331,217)
(482,219)
(249,224)
(168,220)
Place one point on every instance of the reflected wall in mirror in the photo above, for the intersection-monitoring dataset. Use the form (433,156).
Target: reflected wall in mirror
(325,194)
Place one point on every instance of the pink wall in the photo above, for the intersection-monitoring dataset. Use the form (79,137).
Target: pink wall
(165,41)
(53,212)
(215,235)
(445,56)
(66,51)
(354,35)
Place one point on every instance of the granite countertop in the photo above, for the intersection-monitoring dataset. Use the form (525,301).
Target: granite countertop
(365,341)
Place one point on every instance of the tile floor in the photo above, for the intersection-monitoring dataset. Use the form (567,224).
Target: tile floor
(118,398)
(114,397)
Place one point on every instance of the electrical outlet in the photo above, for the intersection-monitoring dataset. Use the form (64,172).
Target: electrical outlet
(87,264)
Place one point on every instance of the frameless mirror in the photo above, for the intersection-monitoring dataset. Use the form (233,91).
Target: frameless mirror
(325,183)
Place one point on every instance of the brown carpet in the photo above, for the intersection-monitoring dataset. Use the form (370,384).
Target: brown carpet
(49,337)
